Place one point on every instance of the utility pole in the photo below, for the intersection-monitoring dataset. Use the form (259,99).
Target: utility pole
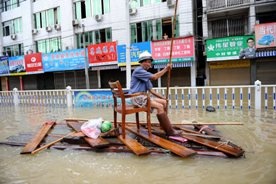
(128,63)
(85,59)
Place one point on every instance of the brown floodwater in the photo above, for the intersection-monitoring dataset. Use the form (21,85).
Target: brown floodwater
(257,137)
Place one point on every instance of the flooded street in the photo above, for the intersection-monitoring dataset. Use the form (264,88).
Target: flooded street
(257,137)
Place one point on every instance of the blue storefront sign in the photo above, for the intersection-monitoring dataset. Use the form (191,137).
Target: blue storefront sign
(121,52)
(65,60)
(4,66)
(135,50)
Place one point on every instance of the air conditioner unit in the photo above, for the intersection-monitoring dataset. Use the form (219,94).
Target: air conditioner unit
(98,18)
(48,28)
(34,31)
(75,22)
(170,3)
(57,27)
(132,11)
(13,36)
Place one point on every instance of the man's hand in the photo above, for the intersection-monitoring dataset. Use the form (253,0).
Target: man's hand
(169,66)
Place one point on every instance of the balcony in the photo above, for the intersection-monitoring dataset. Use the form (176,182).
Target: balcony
(217,4)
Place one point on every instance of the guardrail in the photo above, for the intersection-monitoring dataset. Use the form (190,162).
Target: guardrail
(256,96)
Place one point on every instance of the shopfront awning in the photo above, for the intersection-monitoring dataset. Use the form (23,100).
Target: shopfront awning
(175,65)
(104,67)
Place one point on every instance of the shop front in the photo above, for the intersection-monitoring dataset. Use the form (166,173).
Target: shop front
(229,60)
(265,66)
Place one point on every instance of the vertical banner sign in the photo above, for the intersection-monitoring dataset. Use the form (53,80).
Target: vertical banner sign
(183,50)
(265,35)
(135,50)
(33,63)
(4,66)
(102,54)
(121,52)
(17,65)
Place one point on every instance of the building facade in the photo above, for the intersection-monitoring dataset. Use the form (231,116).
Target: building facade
(205,30)
(234,22)
(32,26)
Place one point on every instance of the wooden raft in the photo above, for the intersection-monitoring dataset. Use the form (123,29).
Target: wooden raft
(32,145)
(95,143)
(173,147)
(224,146)
(133,145)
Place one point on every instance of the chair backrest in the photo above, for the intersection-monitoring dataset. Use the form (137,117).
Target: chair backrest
(117,92)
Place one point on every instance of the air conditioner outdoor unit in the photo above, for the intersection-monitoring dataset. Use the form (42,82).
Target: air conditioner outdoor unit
(98,18)
(57,27)
(75,22)
(34,31)
(170,3)
(13,36)
(48,28)
(132,11)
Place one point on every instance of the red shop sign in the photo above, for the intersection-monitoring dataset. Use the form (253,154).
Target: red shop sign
(102,54)
(182,48)
(33,62)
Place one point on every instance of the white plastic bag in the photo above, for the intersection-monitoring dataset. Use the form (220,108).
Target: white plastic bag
(91,128)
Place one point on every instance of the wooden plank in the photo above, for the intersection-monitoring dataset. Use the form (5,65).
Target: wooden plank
(31,146)
(52,143)
(221,146)
(173,147)
(133,145)
(95,143)
(185,122)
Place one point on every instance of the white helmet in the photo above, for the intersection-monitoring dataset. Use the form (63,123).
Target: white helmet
(145,56)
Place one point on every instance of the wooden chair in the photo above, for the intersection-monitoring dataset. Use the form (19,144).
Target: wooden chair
(125,109)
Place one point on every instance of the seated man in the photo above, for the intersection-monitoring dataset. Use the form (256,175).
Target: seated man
(141,82)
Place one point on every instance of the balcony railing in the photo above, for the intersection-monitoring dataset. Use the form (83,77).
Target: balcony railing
(215,4)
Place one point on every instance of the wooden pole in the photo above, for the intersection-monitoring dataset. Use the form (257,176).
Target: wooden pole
(51,143)
(170,61)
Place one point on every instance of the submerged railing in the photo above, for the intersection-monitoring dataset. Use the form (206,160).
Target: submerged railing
(256,96)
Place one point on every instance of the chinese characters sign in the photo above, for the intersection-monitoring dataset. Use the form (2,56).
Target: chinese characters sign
(33,63)
(4,67)
(66,60)
(17,65)
(227,48)
(135,50)
(265,35)
(183,50)
(102,54)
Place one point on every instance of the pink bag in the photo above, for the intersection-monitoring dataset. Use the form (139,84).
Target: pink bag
(91,128)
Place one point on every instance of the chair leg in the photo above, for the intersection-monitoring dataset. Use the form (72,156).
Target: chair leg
(115,119)
(137,120)
(149,123)
(124,126)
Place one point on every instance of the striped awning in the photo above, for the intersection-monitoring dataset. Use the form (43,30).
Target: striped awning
(123,68)
(175,65)
(104,67)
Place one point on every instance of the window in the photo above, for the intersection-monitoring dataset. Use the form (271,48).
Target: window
(138,3)
(228,27)
(94,37)
(88,8)
(12,27)
(7,5)
(13,50)
(47,18)
(100,7)
(49,45)
(153,30)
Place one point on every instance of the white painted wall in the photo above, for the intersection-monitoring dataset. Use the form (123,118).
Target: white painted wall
(117,19)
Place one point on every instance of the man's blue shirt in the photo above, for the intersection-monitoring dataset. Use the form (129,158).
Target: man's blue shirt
(140,80)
